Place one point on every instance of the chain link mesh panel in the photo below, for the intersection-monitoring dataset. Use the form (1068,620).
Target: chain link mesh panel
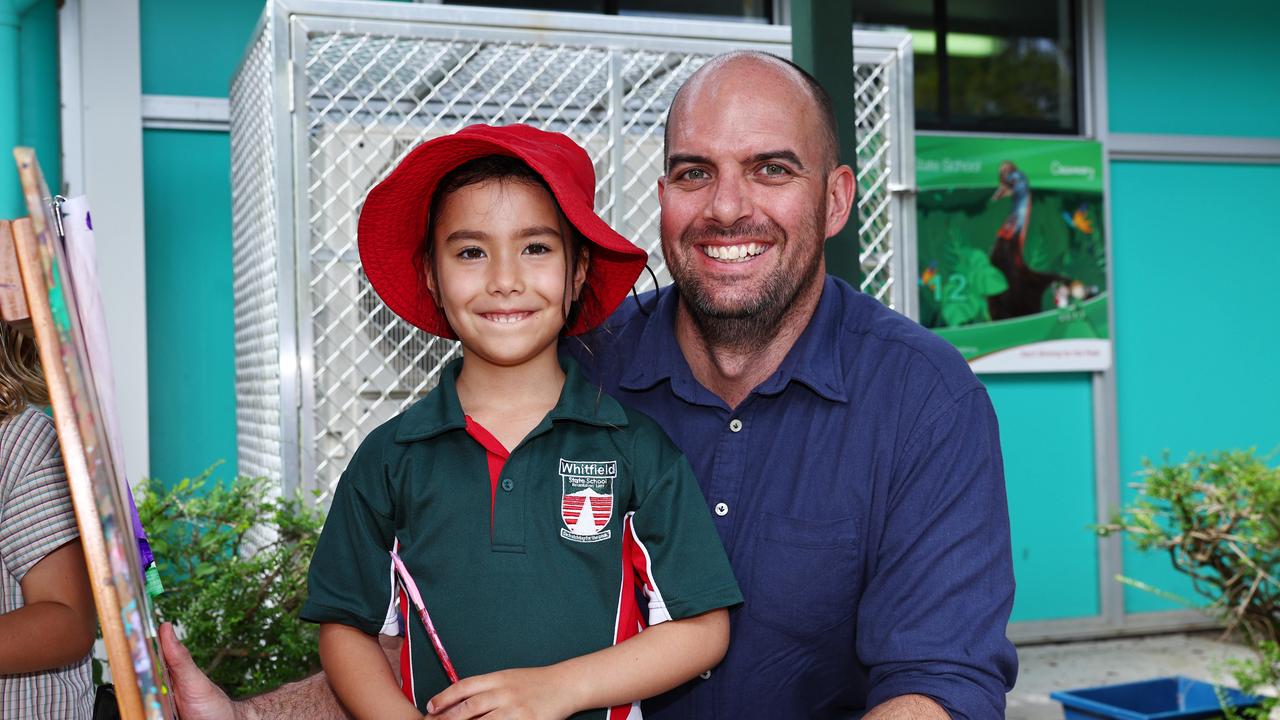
(370,99)
(367,98)
(875,201)
(254,266)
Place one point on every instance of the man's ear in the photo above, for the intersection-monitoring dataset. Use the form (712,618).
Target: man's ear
(841,194)
(662,187)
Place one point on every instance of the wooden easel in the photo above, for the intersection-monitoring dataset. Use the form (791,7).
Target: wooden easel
(33,246)
(13,302)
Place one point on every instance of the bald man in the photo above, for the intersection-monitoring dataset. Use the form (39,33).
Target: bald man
(850,458)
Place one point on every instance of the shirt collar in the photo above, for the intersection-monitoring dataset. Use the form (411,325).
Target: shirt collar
(816,360)
(657,356)
(440,411)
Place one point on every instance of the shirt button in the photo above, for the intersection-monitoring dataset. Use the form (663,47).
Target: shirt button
(735,425)
(507,484)
(722,509)
(706,675)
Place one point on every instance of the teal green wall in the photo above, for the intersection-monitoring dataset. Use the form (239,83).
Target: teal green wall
(215,32)
(172,31)
(1046,435)
(190,332)
(1186,67)
(1196,336)
(41,106)
(30,89)
(1197,319)
(10,116)
(190,49)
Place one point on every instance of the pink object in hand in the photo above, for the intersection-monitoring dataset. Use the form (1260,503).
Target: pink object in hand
(414,596)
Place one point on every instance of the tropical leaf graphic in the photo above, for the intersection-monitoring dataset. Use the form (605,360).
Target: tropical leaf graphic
(967,287)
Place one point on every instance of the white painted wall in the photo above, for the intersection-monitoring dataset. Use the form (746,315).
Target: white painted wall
(102,141)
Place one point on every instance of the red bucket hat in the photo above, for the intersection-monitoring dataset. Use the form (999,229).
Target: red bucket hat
(393,221)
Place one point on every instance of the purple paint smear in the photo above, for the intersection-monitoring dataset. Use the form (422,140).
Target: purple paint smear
(144,547)
(88,219)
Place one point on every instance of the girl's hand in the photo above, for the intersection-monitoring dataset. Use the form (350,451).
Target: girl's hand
(520,694)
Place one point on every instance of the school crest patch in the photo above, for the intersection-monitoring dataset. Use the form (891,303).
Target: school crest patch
(586,505)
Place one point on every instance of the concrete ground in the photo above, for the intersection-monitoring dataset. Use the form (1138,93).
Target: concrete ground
(1046,668)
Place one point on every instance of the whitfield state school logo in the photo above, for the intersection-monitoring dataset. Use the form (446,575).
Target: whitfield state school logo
(587,502)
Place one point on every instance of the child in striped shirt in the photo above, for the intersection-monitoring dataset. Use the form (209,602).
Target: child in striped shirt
(47,619)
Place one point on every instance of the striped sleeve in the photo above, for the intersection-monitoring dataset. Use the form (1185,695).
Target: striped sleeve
(38,517)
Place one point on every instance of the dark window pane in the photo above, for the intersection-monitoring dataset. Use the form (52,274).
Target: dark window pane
(584,6)
(746,10)
(914,14)
(987,65)
(927,79)
(1011,65)
(916,17)
(743,10)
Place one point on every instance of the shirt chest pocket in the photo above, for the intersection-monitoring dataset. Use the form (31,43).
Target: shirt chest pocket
(806,575)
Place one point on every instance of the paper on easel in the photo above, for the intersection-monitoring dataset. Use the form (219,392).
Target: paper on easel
(82,261)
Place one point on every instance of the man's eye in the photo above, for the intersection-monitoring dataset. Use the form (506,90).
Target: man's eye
(773,169)
(471,253)
(694,174)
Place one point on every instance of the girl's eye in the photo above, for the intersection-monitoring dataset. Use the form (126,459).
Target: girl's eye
(537,249)
(470,253)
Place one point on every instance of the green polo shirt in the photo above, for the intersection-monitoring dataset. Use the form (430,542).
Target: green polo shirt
(595,507)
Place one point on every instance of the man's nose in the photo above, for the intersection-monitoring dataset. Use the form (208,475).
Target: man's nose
(730,201)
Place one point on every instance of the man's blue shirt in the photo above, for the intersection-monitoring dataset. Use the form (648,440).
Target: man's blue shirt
(859,492)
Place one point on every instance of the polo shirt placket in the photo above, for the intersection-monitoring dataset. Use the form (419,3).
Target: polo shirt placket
(509,511)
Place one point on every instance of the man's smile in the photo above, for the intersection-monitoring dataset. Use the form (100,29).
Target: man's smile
(734,253)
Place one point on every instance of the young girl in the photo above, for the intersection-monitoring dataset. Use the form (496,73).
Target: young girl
(529,509)
(47,619)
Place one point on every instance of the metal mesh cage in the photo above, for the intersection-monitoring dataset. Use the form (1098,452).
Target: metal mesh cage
(365,91)
(254,263)
(875,201)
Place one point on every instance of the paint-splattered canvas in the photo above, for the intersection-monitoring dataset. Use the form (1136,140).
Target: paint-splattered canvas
(98,488)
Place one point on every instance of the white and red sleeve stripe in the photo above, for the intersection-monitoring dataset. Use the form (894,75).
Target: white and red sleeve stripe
(643,564)
(398,624)
(629,620)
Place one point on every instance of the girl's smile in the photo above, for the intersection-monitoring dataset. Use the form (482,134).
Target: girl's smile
(506,318)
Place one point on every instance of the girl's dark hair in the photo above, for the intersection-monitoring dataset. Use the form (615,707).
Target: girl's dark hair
(507,169)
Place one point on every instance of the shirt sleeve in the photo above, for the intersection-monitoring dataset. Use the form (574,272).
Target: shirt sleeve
(932,619)
(350,580)
(677,554)
(37,517)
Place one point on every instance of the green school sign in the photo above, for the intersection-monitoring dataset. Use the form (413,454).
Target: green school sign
(1012,253)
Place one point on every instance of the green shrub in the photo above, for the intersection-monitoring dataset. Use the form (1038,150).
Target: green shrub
(1218,518)
(235,597)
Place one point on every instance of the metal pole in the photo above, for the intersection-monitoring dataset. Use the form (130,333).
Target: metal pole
(822,43)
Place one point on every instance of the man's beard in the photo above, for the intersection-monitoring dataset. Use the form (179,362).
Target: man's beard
(752,322)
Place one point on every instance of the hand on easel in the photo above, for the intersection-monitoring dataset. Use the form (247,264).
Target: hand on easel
(196,697)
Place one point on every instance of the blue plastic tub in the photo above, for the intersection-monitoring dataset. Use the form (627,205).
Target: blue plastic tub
(1167,698)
